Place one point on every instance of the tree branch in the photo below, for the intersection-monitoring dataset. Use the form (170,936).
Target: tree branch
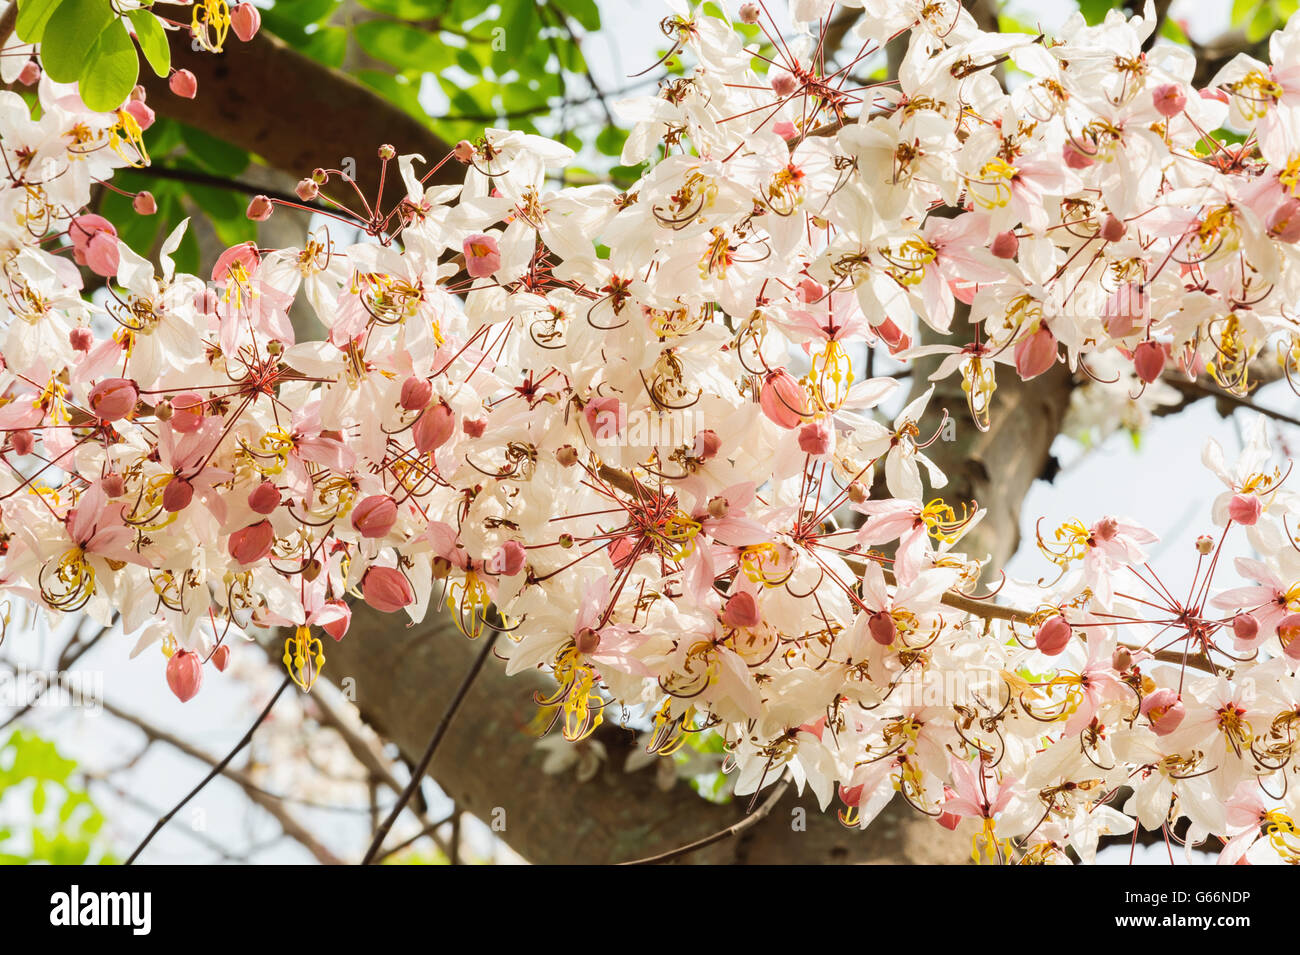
(293,112)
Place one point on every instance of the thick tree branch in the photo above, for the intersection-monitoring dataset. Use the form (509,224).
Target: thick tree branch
(295,113)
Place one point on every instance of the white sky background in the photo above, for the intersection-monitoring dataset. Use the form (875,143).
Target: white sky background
(1163,486)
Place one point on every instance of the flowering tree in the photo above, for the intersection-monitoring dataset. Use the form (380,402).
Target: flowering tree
(630,438)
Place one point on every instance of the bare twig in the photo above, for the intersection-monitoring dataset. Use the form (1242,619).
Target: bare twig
(735,829)
(417,773)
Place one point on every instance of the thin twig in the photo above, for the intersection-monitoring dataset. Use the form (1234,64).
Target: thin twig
(735,829)
(417,773)
(216,771)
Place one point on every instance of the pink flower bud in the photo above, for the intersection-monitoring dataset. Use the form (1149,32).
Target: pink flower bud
(1168,99)
(184,674)
(604,417)
(586,640)
(82,229)
(140,112)
(177,495)
(250,544)
(1005,245)
(434,427)
(307,189)
(816,438)
(113,484)
(741,610)
(1288,631)
(474,427)
(1112,229)
(1164,709)
(81,339)
(749,13)
(144,203)
(30,73)
(784,84)
(387,589)
(416,392)
(1075,158)
(707,445)
(482,255)
(22,442)
(464,151)
(882,627)
(102,255)
(113,398)
(1149,360)
(264,498)
(1053,636)
(221,657)
(338,628)
(783,399)
(1035,354)
(1284,222)
(507,560)
(1245,630)
(375,516)
(1245,508)
(260,209)
(245,20)
(188,412)
(184,84)
(1124,310)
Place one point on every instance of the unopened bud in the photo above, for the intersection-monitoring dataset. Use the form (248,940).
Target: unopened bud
(387,152)
(260,209)
(567,456)
(857,492)
(144,203)
(749,13)
(1204,545)
(307,189)
(718,507)
(464,151)
(1121,659)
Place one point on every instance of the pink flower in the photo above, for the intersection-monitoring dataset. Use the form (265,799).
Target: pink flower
(1035,354)
(1288,631)
(375,516)
(94,244)
(187,412)
(1284,221)
(482,255)
(433,428)
(1005,245)
(264,498)
(245,20)
(1149,360)
(387,589)
(816,438)
(1245,508)
(1053,636)
(507,560)
(260,209)
(250,544)
(140,112)
(81,339)
(741,610)
(605,417)
(1168,99)
(783,399)
(1164,709)
(113,398)
(185,674)
(882,627)
(237,262)
(334,618)
(177,495)
(416,392)
(184,84)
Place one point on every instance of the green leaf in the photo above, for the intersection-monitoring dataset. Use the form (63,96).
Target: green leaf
(610,141)
(38,798)
(110,70)
(213,154)
(404,46)
(396,90)
(69,36)
(328,45)
(584,11)
(522,25)
(1261,23)
(406,9)
(153,41)
(33,16)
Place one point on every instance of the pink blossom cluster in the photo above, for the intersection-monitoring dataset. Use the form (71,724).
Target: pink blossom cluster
(630,429)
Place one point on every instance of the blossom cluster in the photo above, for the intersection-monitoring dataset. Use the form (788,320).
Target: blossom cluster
(628,430)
